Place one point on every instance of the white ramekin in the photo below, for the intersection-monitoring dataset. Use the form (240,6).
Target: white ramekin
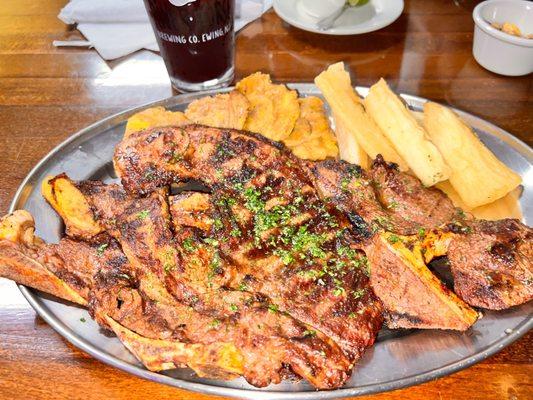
(498,51)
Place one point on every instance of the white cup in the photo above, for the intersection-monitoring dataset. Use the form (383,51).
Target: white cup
(498,51)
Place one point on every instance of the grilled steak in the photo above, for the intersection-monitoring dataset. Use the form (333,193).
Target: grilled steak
(250,322)
(411,295)
(384,197)
(491,263)
(166,335)
(405,197)
(274,236)
(272,261)
(22,260)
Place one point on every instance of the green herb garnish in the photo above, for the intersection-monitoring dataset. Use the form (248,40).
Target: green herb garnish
(188,245)
(393,239)
(100,250)
(143,214)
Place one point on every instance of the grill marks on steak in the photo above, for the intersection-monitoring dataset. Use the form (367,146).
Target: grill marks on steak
(274,235)
(412,296)
(404,196)
(246,320)
(491,263)
(384,197)
(329,293)
(165,335)
(225,286)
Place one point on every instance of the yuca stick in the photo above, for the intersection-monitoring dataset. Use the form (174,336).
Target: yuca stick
(349,149)
(477,175)
(406,135)
(505,207)
(359,131)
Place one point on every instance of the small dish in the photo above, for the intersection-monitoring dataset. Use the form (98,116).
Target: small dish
(498,51)
(374,15)
(321,8)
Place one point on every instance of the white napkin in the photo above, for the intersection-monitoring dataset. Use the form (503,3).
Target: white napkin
(120,27)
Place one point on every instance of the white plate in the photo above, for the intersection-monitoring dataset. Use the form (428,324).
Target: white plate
(374,15)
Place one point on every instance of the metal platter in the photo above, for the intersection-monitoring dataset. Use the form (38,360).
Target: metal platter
(399,358)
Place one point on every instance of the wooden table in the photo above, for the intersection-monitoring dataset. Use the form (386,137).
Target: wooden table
(48,93)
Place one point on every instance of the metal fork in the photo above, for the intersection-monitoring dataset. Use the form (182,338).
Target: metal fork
(327,22)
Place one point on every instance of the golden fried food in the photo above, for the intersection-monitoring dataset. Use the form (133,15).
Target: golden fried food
(409,139)
(312,137)
(358,132)
(349,148)
(274,108)
(477,175)
(507,206)
(154,116)
(228,110)
(67,200)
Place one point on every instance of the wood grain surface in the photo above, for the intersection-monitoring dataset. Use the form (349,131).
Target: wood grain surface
(48,93)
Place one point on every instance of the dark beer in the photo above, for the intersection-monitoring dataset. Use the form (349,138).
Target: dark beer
(196,41)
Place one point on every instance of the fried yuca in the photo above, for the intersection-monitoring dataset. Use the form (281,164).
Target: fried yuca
(154,116)
(507,206)
(274,109)
(358,132)
(476,174)
(349,149)
(312,137)
(407,136)
(228,110)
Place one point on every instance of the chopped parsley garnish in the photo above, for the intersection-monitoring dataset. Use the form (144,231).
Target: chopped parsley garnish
(235,232)
(211,242)
(273,308)
(393,239)
(188,245)
(383,222)
(224,151)
(168,266)
(285,256)
(215,323)
(253,200)
(466,229)
(393,205)
(100,250)
(339,291)
(168,261)
(175,157)
(218,224)
(305,241)
(243,287)
(82,319)
(309,333)
(354,171)
(143,214)
(421,233)
(226,201)
(345,182)
(311,274)
(214,265)
(233,307)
